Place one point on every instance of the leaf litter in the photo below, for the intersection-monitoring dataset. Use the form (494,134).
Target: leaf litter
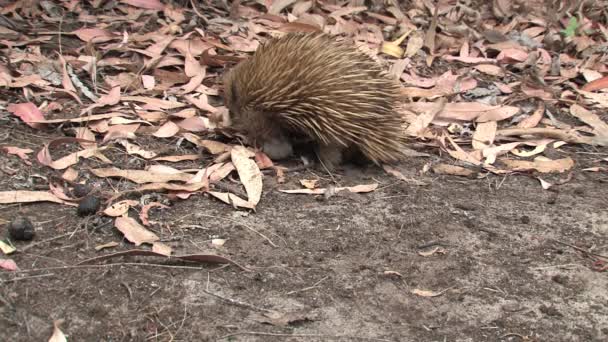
(478,93)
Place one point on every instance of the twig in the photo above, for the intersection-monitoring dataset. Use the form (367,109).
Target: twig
(244,225)
(581,249)
(260,333)
(236,302)
(26,278)
(69,267)
(44,241)
(567,136)
(229,188)
(308,288)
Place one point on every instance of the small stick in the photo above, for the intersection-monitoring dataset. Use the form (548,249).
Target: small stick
(308,288)
(336,337)
(581,249)
(236,302)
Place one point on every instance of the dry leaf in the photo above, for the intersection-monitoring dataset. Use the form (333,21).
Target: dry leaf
(8,264)
(120,208)
(106,245)
(435,250)
(447,169)
(167,130)
(141,176)
(427,293)
(484,135)
(134,232)
(540,165)
(24,196)
(249,173)
(28,112)
(58,335)
(20,152)
(162,249)
(232,199)
(309,183)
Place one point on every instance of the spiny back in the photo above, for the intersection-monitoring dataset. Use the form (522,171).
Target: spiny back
(329,90)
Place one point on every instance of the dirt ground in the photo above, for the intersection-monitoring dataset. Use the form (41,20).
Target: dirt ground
(508,262)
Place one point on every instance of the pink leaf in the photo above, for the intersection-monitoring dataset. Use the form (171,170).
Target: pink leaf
(147,4)
(94,35)
(8,264)
(28,112)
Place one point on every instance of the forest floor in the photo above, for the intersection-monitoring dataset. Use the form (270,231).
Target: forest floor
(421,256)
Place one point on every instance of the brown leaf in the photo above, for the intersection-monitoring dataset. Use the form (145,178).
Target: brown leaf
(146,4)
(447,169)
(484,135)
(120,208)
(249,173)
(23,196)
(94,35)
(534,119)
(232,199)
(167,130)
(141,176)
(176,159)
(20,152)
(540,165)
(427,293)
(134,232)
(601,83)
(58,335)
(28,112)
(198,258)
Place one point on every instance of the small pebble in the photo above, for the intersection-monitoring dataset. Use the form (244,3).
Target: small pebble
(21,228)
(88,206)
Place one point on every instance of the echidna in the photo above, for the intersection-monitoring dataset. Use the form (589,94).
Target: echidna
(309,86)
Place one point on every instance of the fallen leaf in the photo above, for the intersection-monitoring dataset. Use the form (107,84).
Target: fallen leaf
(167,130)
(198,258)
(6,248)
(146,4)
(249,173)
(393,171)
(309,183)
(106,245)
(58,335)
(232,199)
(94,35)
(540,165)
(544,184)
(177,158)
(120,208)
(162,249)
(484,135)
(8,264)
(435,250)
(134,232)
(427,293)
(44,155)
(447,169)
(141,176)
(19,152)
(598,84)
(218,242)
(143,215)
(131,149)
(24,196)
(28,112)
(320,191)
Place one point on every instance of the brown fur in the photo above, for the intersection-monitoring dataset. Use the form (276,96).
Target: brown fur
(310,86)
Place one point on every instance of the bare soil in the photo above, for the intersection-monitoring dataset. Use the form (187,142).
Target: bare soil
(511,261)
